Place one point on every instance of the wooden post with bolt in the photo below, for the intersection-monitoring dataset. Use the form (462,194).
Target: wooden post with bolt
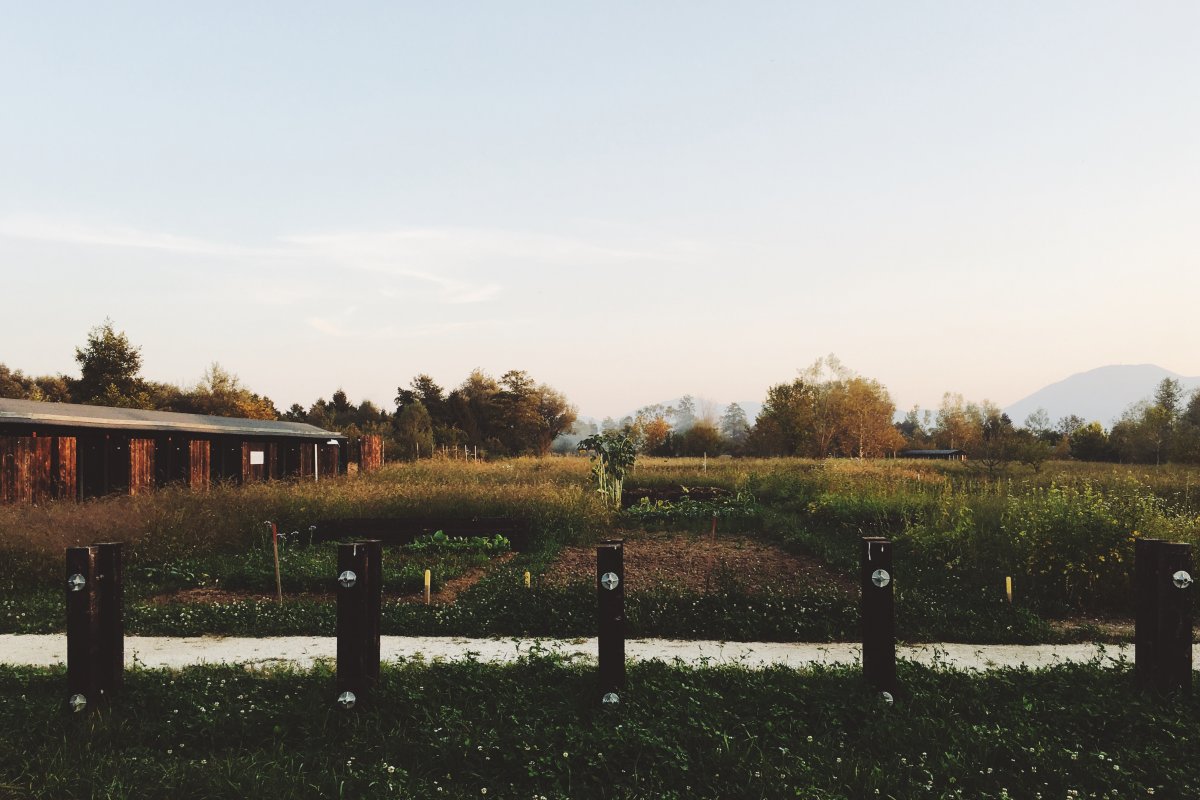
(878,612)
(110,602)
(1145,589)
(610,602)
(359,596)
(1172,664)
(83,629)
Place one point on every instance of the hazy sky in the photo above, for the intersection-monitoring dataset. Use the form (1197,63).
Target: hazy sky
(629,200)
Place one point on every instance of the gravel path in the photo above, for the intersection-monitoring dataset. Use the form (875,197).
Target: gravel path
(304,651)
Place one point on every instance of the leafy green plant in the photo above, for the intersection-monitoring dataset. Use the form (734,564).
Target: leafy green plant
(613,456)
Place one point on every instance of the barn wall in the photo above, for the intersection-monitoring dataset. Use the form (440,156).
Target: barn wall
(66,468)
(141,465)
(199,464)
(370,453)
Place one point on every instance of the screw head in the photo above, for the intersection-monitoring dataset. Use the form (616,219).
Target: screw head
(77,703)
(881,578)
(610,699)
(76,582)
(347,579)
(347,700)
(610,581)
(1182,579)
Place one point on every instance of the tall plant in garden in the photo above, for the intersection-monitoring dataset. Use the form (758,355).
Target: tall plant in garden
(613,455)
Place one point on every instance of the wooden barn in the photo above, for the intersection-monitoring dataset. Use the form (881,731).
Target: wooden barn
(64,451)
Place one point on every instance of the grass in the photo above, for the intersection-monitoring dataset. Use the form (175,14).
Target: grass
(1064,534)
(532,729)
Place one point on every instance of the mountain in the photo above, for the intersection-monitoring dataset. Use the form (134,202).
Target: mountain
(1101,394)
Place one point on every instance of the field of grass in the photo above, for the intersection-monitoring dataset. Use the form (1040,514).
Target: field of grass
(532,729)
(1064,534)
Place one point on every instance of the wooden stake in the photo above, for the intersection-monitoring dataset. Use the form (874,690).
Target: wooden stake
(526,579)
(428,580)
(1008,588)
(275,549)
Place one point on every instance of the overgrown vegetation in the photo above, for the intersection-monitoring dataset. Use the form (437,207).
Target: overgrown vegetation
(1064,534)
(532,729)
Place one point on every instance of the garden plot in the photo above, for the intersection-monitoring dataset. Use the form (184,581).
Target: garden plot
(704,564)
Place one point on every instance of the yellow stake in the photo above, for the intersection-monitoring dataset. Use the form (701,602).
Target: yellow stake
(526,579)
(1008,587)
(428,576)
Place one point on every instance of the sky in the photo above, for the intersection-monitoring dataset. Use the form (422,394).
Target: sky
(629,200)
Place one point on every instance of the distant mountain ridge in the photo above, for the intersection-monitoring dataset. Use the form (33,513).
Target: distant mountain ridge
(1100,394)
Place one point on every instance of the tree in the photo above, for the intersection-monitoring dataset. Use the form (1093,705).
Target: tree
(959,423)
(784,425)
(1090,443)
(998,442)
(702,438)
(414,430)
(685,413)
(219,393)
(15,385)
(734,426)
(866,428)
(110,369)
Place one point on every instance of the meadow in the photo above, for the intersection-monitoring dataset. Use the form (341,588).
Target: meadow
(201,564)
(1064,535)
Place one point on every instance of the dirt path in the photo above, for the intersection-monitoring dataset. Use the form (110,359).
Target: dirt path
(696,562)
(305,651)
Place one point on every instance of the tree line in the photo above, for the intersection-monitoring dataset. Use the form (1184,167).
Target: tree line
(511,416)
(828,410)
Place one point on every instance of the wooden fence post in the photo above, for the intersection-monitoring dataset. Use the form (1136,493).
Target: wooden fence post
(110,602)
(1173,626)
(610,596)
(359,596)
(878,612)
(83,629)
(1145,589)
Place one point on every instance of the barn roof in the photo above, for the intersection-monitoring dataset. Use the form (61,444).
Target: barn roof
(69,415)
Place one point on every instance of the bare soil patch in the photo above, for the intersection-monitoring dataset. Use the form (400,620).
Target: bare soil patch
(697,563)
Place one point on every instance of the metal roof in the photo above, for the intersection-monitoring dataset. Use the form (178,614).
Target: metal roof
(33,412)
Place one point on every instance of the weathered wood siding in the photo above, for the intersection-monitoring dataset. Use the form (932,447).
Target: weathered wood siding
(254,473)
(329,459)
(41,474)
(306,461)
(370,453)
(28,469)
(14,470)
(66,468)
(141,465)
(329,455)
(199,464)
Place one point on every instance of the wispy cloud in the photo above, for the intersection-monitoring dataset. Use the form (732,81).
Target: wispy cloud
(48,230)
(455,266)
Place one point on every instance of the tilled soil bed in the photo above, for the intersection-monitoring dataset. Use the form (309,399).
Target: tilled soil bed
(697,563)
